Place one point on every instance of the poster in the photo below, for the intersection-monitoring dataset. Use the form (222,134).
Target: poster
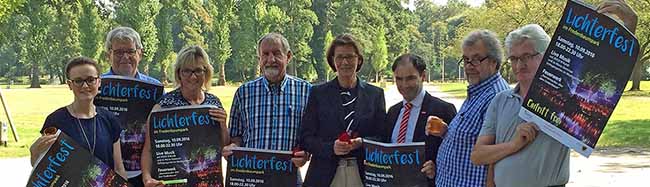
(131,101)
(394,164)
(582,77)
(67,163)
(260,168)
(186,146)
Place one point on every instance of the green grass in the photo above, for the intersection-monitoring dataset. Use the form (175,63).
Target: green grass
(29,107)
(455,89)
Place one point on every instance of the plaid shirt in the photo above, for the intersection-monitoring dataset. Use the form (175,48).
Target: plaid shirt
(453,166)
(268,117)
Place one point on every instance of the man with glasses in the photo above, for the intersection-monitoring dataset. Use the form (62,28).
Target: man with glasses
(266,112)
(521,156)
(482,57)
(124,52)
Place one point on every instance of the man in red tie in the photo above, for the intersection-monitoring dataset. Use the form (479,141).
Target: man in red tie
(407,119)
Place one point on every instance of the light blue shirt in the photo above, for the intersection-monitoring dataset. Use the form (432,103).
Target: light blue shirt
(413,118)
(138,76)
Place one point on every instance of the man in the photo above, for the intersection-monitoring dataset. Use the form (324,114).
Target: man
(481,58)
(521,156)
(407,119)
(267,111)
(124,52)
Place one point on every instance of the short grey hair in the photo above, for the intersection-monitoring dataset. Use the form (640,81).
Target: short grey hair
(277,37)
(490,41)
(532,32)
(122,34)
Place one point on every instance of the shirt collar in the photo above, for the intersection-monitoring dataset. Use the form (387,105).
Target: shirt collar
(137,73)
(417,101)
(514,93)
(483,85)
(282,86)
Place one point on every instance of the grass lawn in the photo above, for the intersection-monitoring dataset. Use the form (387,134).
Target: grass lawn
(455,89)
(29,107)
(629,125)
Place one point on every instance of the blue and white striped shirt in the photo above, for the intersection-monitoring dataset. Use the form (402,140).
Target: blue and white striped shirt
(268,117)
(453,166)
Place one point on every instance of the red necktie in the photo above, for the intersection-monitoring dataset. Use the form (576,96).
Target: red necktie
(401,137)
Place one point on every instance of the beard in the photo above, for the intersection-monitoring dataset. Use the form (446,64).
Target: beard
(271,71)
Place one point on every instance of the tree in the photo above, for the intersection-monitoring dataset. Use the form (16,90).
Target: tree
(91,30)
(323,11)
(379,55)
(642,9)
(255,18)
(298,30)
(219,35)
(140,15)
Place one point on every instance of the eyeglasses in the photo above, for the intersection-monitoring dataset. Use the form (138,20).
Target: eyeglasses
(188,72)
(349,58)
(90,81)
(121,52)
(523,59)
(473,62)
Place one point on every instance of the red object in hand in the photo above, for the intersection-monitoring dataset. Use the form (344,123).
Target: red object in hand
(345,137)
(295,150)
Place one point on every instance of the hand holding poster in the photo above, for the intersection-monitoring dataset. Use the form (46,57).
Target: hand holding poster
(186,146)
(582,76)
(257,167)
(394,164)
(67,163)
(131,101)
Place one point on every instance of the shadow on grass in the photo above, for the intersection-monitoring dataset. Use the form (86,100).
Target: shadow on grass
(628,133)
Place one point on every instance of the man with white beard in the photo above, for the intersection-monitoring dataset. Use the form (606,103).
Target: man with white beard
(266,112)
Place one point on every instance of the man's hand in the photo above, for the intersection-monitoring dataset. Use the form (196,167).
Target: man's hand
(429,169)
(620,9)
(300,158)
(524,134)
(227,150)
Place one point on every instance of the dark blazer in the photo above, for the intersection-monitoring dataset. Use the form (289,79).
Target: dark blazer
(431,106)
(323,122)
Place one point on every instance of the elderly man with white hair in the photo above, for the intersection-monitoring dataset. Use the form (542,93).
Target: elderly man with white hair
(124,51)
(518,154)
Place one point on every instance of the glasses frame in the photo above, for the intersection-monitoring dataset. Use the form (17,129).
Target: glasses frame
(472,61)
(525,59)
(189,72)
(88,81)
(121,52)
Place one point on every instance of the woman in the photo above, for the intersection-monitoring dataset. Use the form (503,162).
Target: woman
(96,129)
(343,107)
(193,74)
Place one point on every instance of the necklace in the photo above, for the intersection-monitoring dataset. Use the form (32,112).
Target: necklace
(83,132)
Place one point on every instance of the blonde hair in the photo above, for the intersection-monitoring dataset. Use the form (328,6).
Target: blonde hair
(188,56)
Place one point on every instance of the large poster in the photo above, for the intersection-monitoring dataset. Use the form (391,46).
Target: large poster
(67,163)
(394,164)
(186,146)
(260,168)
(131,101)
(581,78)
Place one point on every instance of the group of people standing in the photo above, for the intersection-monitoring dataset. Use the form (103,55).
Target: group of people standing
(485,142)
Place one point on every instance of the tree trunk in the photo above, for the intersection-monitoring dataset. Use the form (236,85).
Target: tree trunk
(317,42)
(222,74)
(637,71)
(36,74)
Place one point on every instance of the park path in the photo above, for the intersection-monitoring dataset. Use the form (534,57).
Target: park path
(627,167)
